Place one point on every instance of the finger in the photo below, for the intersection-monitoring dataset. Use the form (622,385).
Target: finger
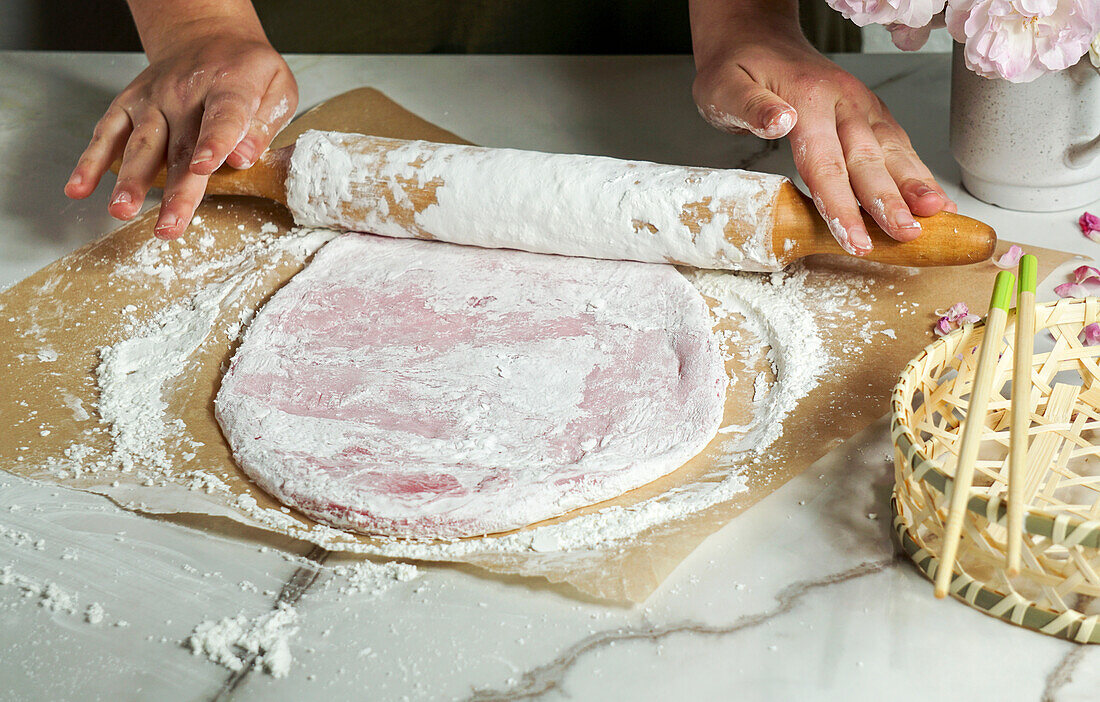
(108,141)
(924,196)
(872,183)
(183,190)
(820,160)
(142,158)
(275,111)
(743,104)
(227,113)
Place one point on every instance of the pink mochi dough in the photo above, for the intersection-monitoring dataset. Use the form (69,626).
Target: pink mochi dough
(433,391)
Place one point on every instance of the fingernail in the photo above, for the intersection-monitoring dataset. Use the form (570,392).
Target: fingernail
(202,156)
(122,198)
(905,221)
(76,179)
(168,221)
(780,122)
(861,240)
(842,235)
(245,153)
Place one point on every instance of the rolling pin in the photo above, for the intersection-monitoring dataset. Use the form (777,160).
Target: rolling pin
(571,205)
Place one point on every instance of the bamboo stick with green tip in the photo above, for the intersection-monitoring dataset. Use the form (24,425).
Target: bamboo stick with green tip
(980,388)
(1024,351)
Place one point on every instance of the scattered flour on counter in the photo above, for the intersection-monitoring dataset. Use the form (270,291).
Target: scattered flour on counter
(94,614)
(232,641)
(50,596)
(367,577)
(56,599)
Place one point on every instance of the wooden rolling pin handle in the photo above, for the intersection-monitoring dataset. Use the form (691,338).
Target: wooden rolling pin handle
(946,239)
(266,178)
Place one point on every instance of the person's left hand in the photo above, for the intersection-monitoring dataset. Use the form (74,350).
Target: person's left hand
(846,144)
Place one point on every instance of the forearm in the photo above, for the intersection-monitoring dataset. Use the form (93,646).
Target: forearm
(715,24)
(164,25)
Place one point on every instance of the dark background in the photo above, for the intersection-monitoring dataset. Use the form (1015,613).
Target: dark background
(424,26)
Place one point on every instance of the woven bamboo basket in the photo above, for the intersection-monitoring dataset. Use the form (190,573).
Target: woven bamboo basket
(1057,589)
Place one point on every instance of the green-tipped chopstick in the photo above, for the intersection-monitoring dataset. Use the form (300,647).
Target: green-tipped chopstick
(1021,406)
(980,388)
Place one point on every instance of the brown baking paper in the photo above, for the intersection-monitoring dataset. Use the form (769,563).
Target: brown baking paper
(54,324)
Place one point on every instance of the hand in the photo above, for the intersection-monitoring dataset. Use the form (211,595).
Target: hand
(846,145)
(203,100)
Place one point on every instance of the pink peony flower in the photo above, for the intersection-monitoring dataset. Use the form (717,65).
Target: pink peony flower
(911,13)
(1094,51)
(909,38)
(1020,40)
(1090,226)
(1010,258)
(1090,335)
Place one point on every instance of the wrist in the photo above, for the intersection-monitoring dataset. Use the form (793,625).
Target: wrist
(719,27)
(165,27)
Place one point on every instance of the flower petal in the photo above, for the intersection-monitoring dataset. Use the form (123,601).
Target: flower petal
(1074,290)
(1090,335)
(957,311)
(1010,257)
(1089,224)
(1083,273)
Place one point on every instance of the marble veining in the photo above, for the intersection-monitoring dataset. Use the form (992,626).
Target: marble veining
(546,677)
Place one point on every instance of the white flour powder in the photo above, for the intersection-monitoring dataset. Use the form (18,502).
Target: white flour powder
(233,640)
(782,316)
(779,315)
(134,373)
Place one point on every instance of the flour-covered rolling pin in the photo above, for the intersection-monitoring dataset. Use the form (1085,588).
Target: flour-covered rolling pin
(572,205)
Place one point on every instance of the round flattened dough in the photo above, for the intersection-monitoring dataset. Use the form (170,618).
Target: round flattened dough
(428,390)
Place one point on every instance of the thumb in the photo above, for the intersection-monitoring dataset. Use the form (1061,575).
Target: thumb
(742,105)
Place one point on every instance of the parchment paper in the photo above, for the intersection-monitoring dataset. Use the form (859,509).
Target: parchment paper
(54,323)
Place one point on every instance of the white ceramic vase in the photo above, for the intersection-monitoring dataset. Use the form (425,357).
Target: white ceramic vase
(1028,146)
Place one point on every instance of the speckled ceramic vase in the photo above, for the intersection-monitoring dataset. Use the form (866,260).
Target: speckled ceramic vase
(1028,146)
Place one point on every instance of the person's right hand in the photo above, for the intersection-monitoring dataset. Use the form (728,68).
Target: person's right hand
(204,100)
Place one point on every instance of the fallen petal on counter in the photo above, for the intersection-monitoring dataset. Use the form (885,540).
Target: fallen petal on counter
(1075,290)
(1083,273)
(1011,258)
(955,317)
(1090,226)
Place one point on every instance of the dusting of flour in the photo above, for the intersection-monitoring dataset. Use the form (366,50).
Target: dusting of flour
(234,641)
(783,316)
(265,641)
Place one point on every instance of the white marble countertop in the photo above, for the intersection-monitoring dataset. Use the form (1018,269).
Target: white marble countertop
(802,597)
